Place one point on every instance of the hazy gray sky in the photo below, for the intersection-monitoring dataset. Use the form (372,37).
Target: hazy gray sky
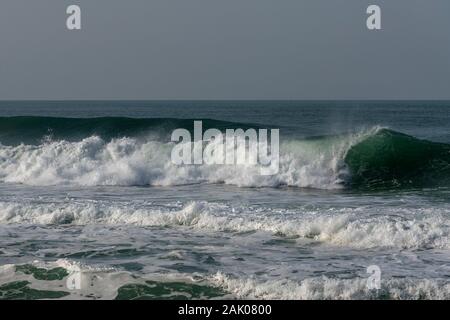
(224,49)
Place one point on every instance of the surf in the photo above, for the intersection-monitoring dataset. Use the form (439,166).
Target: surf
(44,151)
(362,228)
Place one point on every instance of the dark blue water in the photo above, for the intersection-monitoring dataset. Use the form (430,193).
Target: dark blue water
(424,119)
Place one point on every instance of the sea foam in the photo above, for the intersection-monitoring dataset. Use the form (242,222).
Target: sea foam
(324,288)
(108,281)
(399,228)
(94,161)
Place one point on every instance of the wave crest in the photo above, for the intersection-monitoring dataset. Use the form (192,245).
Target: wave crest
(374,158)
(313,163)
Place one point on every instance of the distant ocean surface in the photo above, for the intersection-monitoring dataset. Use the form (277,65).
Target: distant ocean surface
(91,206)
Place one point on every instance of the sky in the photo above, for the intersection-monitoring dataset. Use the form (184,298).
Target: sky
(224,49)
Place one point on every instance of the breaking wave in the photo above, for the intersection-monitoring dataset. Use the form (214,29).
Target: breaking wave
(133,152)
(399,228)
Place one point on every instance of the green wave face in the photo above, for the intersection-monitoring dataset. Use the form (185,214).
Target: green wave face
(391,159)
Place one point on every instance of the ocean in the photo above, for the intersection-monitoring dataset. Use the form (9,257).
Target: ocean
(91,206)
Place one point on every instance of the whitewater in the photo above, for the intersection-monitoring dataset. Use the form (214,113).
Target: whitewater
(139,162)
(99,196)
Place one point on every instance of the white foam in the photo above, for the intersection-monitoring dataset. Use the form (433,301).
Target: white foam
(323,288)
(129,161)
(107,281)
(400,228)
(96,281)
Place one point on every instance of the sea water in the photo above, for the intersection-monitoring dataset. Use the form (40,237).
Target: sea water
(91,206)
